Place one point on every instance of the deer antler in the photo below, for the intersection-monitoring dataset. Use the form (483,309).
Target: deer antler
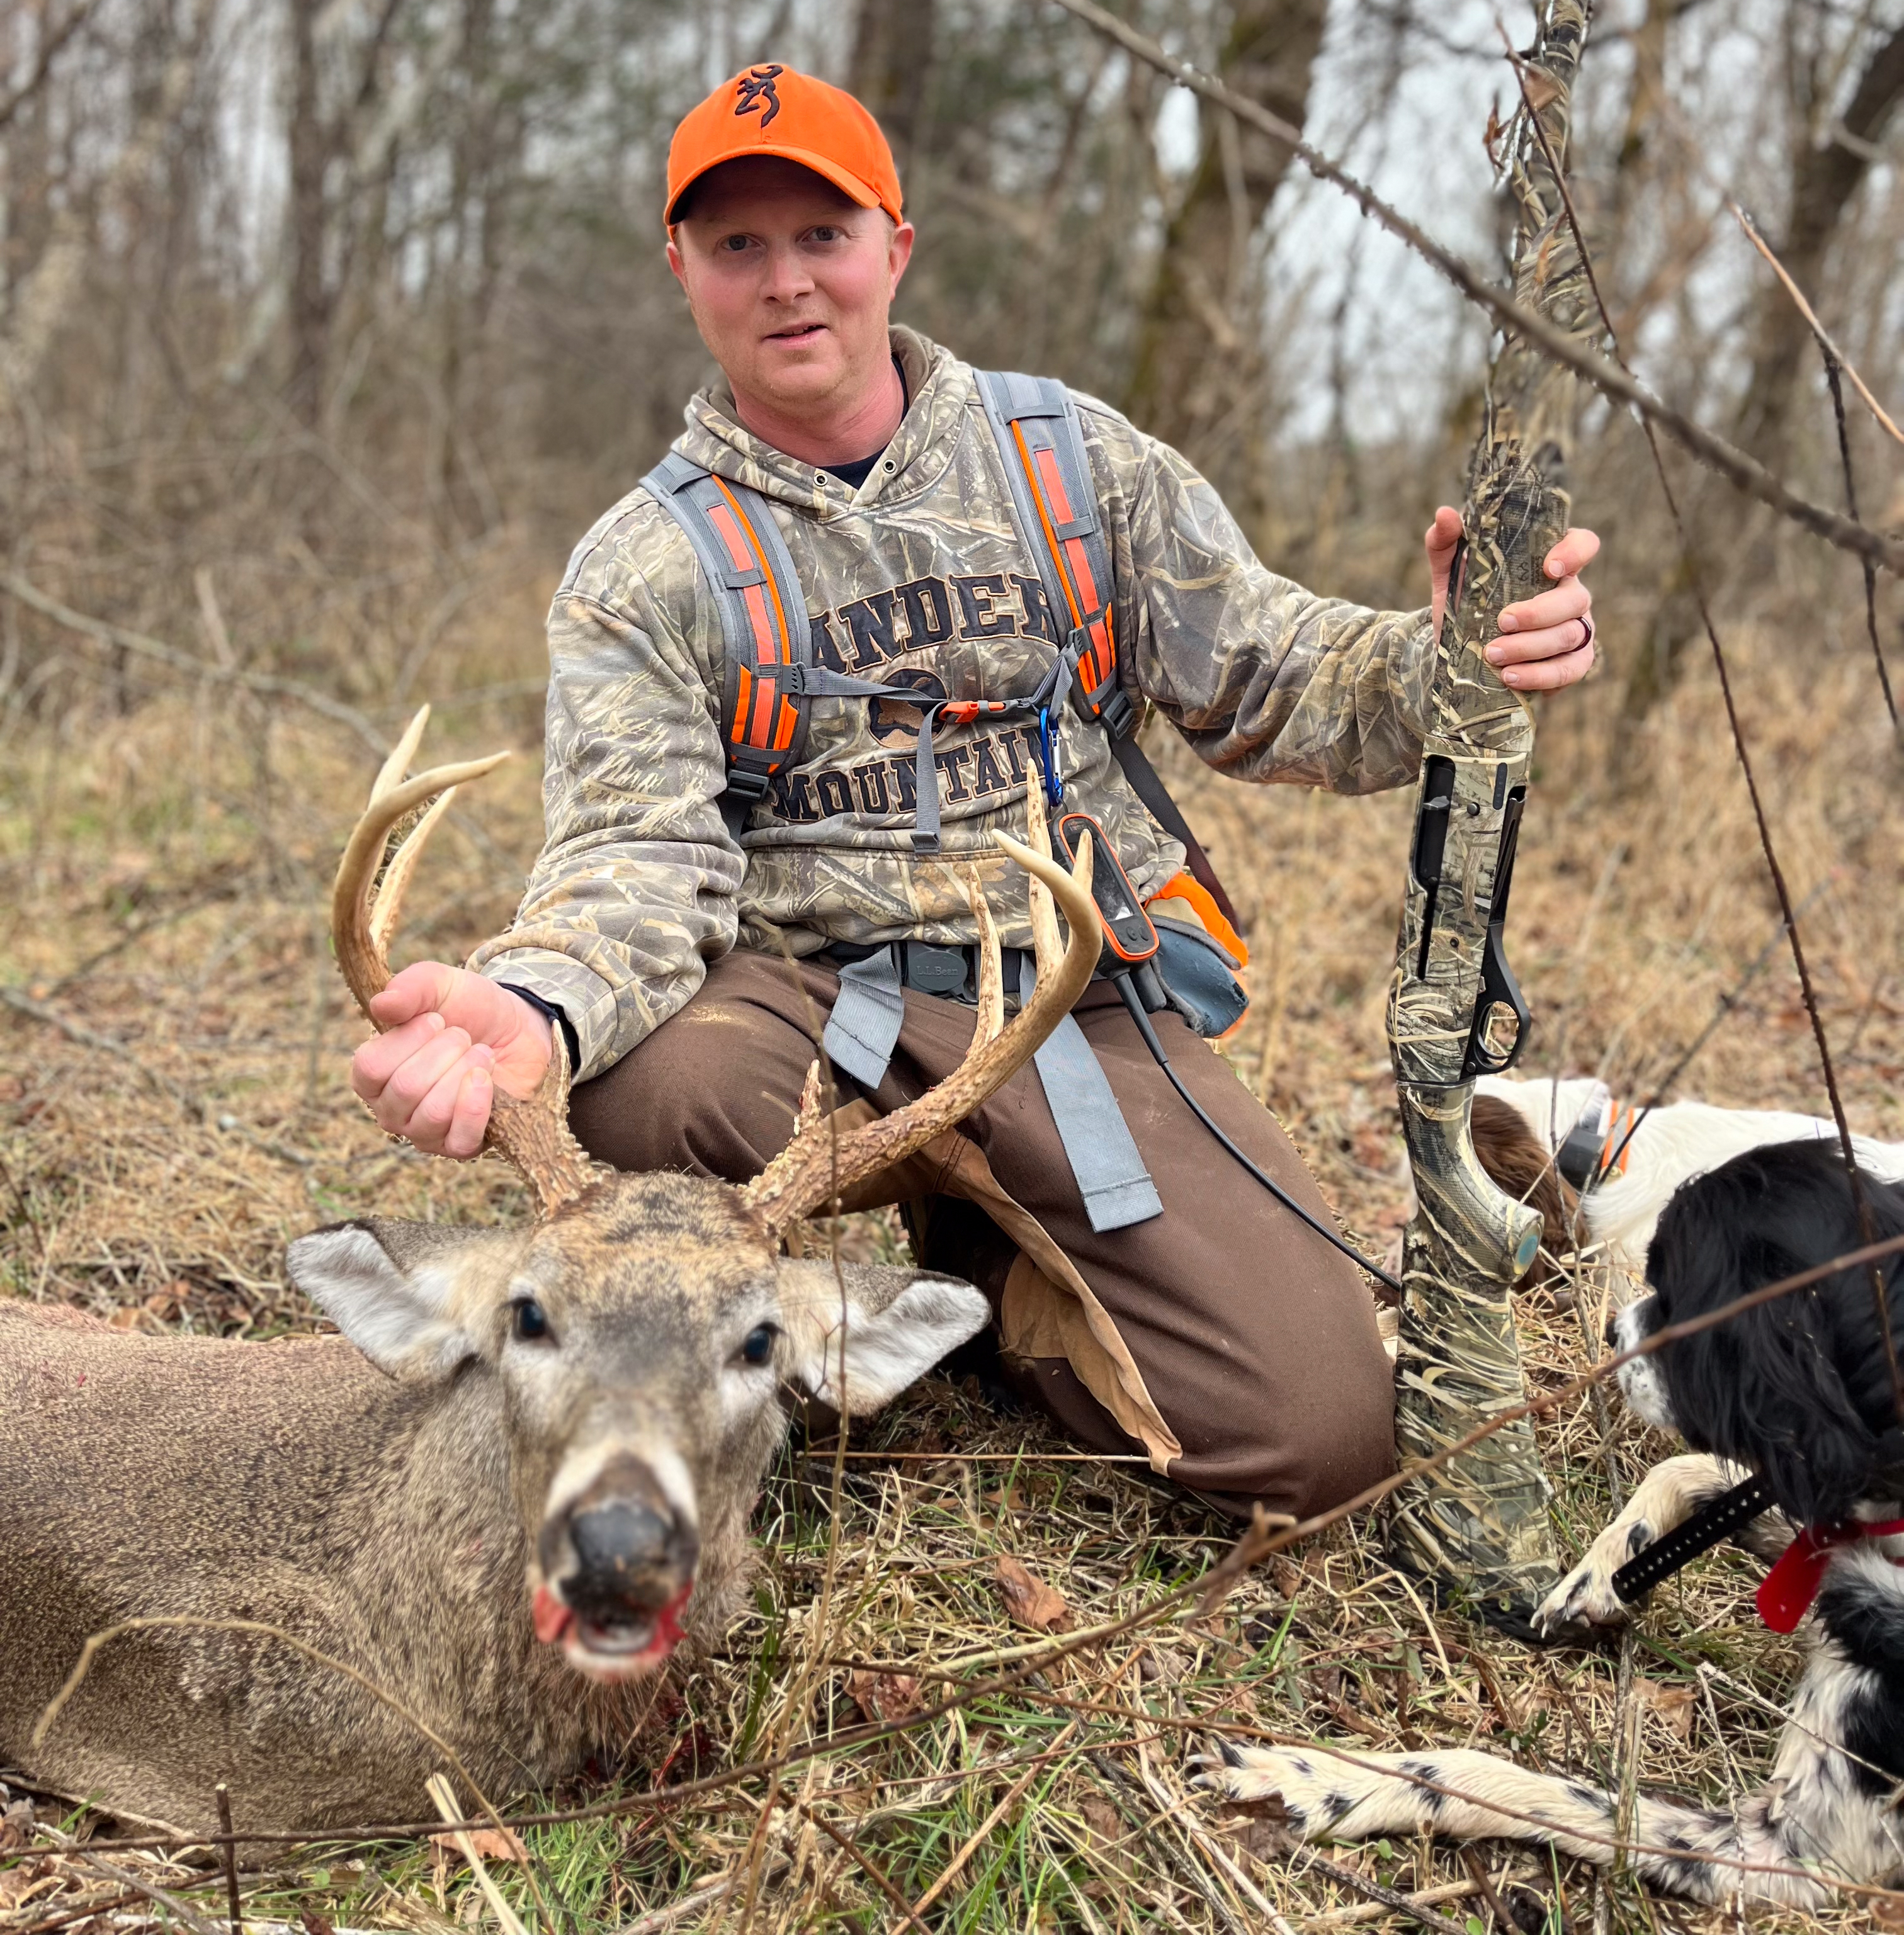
(531,1134)
(816,1167)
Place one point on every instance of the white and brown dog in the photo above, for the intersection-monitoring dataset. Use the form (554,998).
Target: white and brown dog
(1798,1391)
(1573,1151)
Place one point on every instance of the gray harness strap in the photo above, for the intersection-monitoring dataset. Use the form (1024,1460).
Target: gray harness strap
(864,1026)
(1042,408)
(1103,1154)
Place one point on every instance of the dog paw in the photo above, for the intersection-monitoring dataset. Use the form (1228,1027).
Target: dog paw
(1586,1598)
(1316,1790)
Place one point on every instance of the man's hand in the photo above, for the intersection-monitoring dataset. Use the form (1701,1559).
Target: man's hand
(1546,642)
(451,1037)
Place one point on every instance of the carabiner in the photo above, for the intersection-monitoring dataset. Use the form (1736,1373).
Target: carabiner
(1047,754)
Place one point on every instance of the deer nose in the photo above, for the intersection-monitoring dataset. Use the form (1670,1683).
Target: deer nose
(619,1547)
(620,1559)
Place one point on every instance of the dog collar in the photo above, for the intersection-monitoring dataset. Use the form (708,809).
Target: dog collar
(1598,1144)
(1786,1592)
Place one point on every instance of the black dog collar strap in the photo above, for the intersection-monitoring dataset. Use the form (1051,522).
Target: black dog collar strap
(1711,1523)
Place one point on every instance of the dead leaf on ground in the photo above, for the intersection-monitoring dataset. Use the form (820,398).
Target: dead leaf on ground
(315,1923)
(886,1698)
(1030,1601)
(491,1844)
(1673,1704)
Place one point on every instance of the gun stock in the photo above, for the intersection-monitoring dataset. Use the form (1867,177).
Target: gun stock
(1480,1528)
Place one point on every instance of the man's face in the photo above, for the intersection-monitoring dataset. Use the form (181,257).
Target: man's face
(789,282)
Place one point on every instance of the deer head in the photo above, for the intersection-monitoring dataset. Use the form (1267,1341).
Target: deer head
(639,1339)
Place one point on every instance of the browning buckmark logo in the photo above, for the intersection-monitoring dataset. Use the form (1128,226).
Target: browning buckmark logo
(757,94)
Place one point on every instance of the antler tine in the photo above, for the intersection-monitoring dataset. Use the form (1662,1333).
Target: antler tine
(532,1132)
(361,940)
(814,1168)
(991,968)
(1046,945)
(398,763)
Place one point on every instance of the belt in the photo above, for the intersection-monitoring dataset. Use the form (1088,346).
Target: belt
(864,1028)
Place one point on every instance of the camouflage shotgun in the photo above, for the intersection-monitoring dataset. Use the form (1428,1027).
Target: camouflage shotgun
(1479,1529)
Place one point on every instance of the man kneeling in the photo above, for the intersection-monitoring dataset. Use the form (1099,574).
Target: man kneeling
(798,677)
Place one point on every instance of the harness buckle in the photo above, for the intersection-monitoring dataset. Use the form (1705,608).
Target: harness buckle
(1118,714)
(749,783)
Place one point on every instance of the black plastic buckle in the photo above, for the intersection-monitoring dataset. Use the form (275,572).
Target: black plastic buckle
(1579,1159)
(750,782)
(1118,714)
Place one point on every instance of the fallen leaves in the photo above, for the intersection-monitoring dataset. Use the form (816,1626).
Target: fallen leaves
(886,1698)
(1030,1601)
(1673,1704)
(491,1844)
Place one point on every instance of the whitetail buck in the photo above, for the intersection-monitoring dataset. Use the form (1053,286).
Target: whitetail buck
(501,1495)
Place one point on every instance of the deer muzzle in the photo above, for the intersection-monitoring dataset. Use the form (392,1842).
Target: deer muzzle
(618,1565)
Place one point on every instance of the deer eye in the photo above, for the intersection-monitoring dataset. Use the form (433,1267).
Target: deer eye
(758,1347)
(531,1320)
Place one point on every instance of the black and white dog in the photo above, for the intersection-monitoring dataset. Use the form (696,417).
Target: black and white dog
(1798,1390)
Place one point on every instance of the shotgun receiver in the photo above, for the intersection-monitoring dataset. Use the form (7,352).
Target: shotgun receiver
(1479,1528)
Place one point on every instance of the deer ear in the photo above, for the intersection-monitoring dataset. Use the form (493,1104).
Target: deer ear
(390,1288)
(885,1332)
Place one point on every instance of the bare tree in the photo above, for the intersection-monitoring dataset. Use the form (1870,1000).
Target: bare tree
(1831,157)
(1196,376)
(891,65)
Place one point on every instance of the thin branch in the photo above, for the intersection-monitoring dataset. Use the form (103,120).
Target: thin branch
(1816,328)
(866,1865)
(103,633)
(1867,1227)
(1745,473)
(49,49)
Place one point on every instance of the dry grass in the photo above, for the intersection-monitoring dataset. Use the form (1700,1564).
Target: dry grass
(173,1106)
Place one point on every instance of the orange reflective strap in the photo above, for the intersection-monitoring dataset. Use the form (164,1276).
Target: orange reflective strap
(729,533)
(1618,1136)
(1073,559)
(757,555)
(758,721)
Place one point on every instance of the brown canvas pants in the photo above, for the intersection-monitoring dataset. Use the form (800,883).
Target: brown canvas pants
(1233,1344)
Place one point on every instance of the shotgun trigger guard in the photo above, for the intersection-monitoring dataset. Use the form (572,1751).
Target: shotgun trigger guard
(1499,989)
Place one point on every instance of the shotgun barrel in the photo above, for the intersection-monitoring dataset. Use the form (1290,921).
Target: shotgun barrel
(1479,1528)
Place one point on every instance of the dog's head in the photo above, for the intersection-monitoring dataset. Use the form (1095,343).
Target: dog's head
(1798,1388)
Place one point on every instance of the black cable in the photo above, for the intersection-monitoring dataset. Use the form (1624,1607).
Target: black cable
(1129,996)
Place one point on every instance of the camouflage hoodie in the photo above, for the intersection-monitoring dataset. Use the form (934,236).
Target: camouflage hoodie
(919,578)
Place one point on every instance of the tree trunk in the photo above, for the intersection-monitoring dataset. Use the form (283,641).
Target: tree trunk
(1827,171)
(892,60)
(310,153)
(1196,375)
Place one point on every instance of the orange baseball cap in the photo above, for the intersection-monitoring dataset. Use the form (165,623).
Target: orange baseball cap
(772,110)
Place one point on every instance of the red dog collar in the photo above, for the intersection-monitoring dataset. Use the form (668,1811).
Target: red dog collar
(1786,1592)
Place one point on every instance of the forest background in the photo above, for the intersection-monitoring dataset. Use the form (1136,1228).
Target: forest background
(326,330)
